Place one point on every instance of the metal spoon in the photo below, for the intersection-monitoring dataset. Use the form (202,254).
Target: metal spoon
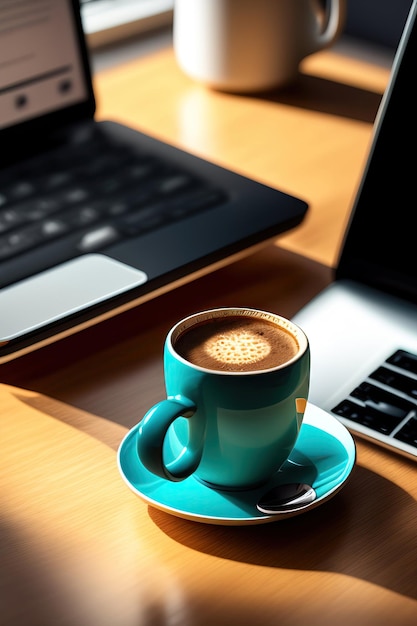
(285,498)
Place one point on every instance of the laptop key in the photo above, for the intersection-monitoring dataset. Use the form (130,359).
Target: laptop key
(98,238)
(9,218)
(81,216)
(400,382)
(382,401)
(408,433)
(367,416)
(404,360)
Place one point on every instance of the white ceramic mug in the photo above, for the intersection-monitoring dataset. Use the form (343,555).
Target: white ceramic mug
(252,45)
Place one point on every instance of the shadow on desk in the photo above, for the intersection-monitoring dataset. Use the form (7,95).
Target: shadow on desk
(337,537)
(326,96)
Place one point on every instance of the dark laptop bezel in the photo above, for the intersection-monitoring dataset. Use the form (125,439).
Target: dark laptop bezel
(33,135)
(379,244)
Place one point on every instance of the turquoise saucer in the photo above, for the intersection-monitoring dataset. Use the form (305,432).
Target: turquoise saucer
(323,457)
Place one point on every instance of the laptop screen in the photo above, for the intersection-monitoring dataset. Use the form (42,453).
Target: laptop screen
(380,245)
(44,79)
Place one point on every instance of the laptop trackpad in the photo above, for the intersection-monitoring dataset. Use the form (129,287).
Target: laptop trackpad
(61,291)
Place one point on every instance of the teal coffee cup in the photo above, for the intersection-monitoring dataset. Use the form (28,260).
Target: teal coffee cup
(237,382)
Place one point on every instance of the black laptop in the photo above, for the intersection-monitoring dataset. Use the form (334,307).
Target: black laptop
(95,217)
(363,328)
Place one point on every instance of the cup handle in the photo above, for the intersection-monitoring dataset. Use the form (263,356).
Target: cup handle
(152,431)
(336,13)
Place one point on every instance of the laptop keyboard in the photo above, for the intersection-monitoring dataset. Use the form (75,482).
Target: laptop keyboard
(386,402)
(64,204)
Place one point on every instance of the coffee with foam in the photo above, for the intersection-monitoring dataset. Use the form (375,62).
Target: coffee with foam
(237,344)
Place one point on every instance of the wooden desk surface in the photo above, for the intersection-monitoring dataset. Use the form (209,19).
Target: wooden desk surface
(77,547)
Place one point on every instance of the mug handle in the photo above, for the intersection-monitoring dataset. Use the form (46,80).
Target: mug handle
(152,431)
(336,13)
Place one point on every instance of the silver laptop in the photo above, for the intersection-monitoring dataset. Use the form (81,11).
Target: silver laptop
(363,327)
(95,217)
